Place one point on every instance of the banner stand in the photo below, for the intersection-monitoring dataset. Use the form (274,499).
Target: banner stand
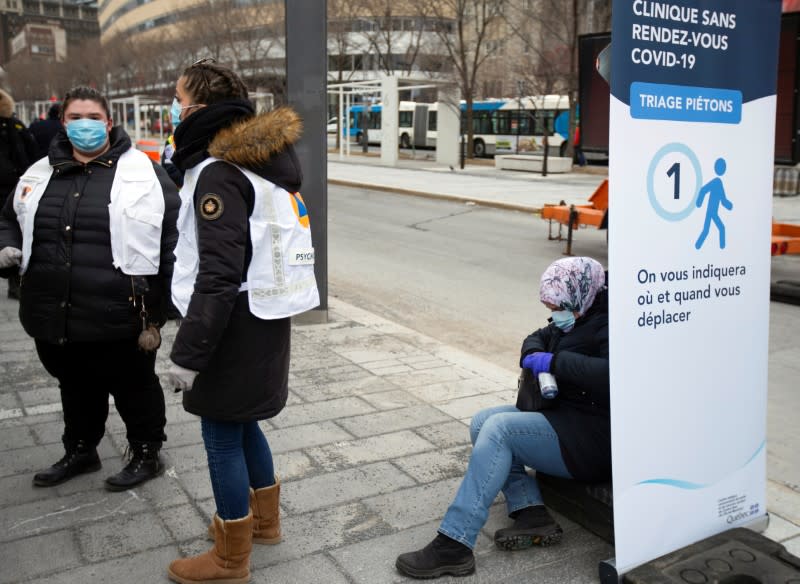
(607,569)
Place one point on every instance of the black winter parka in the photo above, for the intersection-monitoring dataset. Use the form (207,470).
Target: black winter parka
(71,291)
(242,360)
(582,418)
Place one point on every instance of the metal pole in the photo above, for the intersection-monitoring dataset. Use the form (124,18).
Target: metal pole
(340,124)
(306,72)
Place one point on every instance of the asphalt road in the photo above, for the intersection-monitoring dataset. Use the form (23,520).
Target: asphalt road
(462,274)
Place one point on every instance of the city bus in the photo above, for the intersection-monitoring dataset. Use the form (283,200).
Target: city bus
(508,126)
(412,123)
(500,126)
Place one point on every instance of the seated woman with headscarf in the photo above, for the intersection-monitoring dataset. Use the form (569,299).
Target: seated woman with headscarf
(571,440)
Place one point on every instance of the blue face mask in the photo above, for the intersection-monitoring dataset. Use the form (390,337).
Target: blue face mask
(563,319)
(175,111)
(87,135)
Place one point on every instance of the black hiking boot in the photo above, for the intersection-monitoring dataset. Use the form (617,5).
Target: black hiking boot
(79,459)
(442,556)
(532,526)
(144,464)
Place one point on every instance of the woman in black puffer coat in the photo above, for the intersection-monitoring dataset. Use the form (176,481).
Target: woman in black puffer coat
(571,440)
(244,266)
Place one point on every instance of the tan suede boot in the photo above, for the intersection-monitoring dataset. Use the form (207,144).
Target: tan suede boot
(227,562)
(265,507)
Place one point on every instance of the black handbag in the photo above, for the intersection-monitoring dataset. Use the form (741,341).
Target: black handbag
(529,395)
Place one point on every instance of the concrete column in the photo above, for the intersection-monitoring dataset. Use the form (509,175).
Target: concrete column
(306,84)
(389,121)
(448,126)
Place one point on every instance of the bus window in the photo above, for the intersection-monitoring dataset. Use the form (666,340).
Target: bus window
(406,119)
(432,120)
(374,120)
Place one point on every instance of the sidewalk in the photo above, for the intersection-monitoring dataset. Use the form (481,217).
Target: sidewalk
(370,448)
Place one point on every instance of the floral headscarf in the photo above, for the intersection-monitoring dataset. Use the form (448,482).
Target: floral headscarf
(572,283)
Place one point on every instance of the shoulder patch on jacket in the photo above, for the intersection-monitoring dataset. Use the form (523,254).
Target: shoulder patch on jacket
(211,206)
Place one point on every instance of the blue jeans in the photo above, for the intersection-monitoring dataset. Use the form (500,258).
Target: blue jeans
(238,458)
(504,441)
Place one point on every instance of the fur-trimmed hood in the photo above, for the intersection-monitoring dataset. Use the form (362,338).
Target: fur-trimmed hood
(264,144)
(6,105)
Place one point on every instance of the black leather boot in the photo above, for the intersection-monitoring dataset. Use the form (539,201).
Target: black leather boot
(80,458)
(532,526)
(145,464)
(442,556)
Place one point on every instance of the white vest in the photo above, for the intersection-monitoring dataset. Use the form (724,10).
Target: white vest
(280,278)
(136,212)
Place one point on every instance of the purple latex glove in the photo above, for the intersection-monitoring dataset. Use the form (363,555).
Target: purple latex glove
(538,362)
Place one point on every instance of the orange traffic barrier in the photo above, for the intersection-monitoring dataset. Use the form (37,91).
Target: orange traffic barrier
(785,239)
(150,147)
(594,214)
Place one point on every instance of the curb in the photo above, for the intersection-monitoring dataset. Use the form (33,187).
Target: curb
(437,196)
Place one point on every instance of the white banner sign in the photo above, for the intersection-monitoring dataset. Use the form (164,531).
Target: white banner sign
(692,124)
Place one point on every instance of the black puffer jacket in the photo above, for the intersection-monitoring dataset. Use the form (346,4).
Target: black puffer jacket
(71,291)
(582,419)
(243,360)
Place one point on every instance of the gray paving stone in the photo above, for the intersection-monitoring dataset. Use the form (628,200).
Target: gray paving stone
(429,376)
(352,387)
(450,390)
(184,522)
(341,487)
(188,458)
(390,370)
(299,437)
(17,490)
(197,484)
(402,419)
(780,529)
(468,406)
(164,491)
(416,505)
(293,465)
(455,433)
(20,345)
(314,568)
(331,375)
(15,437)
(181,434)
(9,401)
(793,546)
(436,466)
(309,413)
(391,400)
(39,396)
(121,536)
(48,432)
(372,562)
(355,452)
(147,566)
(307,360)
(37,555)
(56,513)
(15,356)
(321,530)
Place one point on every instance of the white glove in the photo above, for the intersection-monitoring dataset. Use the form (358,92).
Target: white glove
(179,377)
(10,256)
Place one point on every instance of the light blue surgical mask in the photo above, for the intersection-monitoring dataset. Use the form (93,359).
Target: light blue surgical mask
(87,135)
(175,112)
(564,319)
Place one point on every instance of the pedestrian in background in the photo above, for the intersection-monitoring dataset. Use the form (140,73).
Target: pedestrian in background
(570,440)
(45,130)
(91,228)
(17,152)
(244,266)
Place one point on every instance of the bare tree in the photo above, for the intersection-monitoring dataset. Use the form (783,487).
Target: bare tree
(549,32)
(474,23)
(394,34)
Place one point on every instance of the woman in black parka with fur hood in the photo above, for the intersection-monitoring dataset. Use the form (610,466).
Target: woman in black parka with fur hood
(242,225)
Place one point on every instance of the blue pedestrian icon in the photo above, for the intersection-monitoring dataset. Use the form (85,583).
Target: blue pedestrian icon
(716,197)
